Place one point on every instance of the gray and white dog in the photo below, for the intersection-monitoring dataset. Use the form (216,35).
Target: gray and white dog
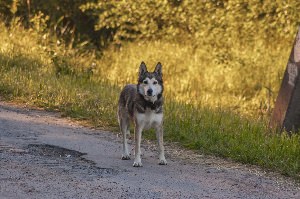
(142,104)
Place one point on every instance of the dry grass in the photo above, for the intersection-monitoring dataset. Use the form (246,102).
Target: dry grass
(204,92)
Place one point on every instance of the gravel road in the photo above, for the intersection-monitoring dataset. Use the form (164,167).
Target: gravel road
(45,156)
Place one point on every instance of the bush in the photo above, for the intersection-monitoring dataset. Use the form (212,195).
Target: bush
(216,22)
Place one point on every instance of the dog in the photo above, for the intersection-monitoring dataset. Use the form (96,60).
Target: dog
(142,105)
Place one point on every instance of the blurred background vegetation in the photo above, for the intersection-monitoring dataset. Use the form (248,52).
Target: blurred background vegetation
(220,22)
(228,54)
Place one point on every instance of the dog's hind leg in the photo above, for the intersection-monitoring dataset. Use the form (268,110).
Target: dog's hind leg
(124,128)
(159,135)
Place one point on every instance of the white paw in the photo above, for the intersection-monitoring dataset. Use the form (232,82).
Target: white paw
(163,162)
(125,157)
(137,164)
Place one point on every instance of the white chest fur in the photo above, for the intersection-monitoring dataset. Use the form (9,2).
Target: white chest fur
(149,119)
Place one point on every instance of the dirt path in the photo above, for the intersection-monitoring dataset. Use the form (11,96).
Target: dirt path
(44,156)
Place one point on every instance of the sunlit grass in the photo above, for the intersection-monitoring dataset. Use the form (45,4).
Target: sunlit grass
(203,95)
(243,80)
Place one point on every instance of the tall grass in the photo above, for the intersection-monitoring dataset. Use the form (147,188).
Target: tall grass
(244,80)
(204,92)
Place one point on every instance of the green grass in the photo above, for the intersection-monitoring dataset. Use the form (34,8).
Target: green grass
(243,79)
(201,110)
(228,135)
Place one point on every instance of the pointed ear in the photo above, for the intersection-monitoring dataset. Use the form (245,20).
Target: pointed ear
(158,68)
(143,68)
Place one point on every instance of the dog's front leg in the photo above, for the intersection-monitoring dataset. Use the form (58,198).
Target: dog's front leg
(138,136)
(161,148)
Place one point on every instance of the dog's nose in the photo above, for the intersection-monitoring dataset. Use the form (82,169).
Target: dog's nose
(149,92)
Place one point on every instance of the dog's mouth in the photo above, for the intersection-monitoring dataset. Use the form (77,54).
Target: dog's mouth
(151,98)
(146,95)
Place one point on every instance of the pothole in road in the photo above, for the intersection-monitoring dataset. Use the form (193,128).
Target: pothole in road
(68,161)
(53,151)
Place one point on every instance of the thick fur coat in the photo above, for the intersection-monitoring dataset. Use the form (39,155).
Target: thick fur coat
(142,105)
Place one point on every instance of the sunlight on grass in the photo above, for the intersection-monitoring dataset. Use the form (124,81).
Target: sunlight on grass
(247,84)
(203,93)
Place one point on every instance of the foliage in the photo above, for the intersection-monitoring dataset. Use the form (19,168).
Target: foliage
(5,8)
(135,20)
(223,22)
(65,20)
(247,84)
(220,23)
(82,87)
(222,63)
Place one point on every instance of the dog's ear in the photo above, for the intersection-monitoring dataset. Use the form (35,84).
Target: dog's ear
(143,68)
(158,69)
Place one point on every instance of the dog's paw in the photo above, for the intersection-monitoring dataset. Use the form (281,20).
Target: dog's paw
(163,162)
(125,157)
(137,164)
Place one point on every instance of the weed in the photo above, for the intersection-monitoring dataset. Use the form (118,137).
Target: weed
(203,93)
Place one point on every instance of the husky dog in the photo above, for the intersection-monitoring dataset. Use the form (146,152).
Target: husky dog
(142,104)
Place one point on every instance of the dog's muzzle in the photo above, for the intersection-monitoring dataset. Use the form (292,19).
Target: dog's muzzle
(149,92)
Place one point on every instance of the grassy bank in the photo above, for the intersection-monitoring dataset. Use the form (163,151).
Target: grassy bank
(211,102)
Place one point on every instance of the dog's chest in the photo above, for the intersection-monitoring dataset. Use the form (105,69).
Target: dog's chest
(149,119)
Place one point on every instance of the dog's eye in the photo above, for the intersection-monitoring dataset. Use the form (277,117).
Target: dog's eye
(145,82)
(155,82)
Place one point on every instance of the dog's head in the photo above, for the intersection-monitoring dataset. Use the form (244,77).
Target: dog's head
(150,84)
